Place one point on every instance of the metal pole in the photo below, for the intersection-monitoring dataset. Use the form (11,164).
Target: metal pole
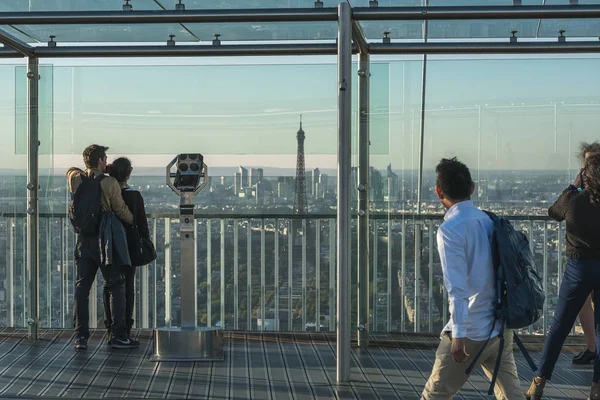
(363,199)
(343,188)
(32,196)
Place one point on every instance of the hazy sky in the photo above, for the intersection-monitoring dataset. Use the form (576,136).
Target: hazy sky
(249,114)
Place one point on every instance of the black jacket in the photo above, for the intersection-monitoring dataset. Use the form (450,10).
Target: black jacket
(583,222)
(113,242)
(135,202)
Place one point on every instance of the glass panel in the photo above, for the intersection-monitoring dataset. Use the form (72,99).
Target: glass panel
(74,5)
(13,169)
(572,27)
(193,103)
(46,111)
(237,4)
(108,33)
(17,33)
(266,31)
(398,29)
(481,29)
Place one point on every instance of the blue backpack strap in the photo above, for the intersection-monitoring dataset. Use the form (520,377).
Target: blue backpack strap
(480,352)
(525,352)
(498,360)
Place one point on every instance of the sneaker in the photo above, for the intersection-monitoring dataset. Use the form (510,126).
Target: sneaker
(122,343)
(81,343)
(585,357)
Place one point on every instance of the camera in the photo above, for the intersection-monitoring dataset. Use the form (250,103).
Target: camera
(189,171)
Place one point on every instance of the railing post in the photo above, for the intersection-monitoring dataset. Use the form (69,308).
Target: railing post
(32,197)
(343,188)
(363,204)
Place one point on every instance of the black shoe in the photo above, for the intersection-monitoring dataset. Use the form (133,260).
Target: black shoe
(81,343)
(123,343)
(585,357)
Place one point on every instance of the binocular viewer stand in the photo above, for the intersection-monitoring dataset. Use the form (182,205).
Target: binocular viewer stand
(188,342)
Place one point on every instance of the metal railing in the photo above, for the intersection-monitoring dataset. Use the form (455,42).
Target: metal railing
(265,272)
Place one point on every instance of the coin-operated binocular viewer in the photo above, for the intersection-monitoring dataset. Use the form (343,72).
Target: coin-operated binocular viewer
(188,342)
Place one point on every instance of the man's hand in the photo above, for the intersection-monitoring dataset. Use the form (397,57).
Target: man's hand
(459,351)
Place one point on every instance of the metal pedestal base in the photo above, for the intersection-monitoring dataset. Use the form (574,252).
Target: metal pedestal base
(188,344)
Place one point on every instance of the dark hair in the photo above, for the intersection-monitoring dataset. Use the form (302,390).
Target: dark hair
(92,154)
(592,177)
(120,169)
(588,148)
(454,179)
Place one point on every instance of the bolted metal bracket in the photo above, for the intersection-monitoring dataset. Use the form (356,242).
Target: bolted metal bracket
(373,3)
(31,75)
(180,6)
(362,187)
(361,213)
(216,41)
(127,6)
(561,37)
(30,210)
(361,72)
(51,43)
(517,3)
(30,186)
(343,85)
(573,2)
(360,328)
(171,41)
(513,37)
(318,4)
(386,38)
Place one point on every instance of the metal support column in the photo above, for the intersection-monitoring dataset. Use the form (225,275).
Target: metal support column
(32,197)
(343,189)
(363,200)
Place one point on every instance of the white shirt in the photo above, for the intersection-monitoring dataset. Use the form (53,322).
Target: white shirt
(464,245)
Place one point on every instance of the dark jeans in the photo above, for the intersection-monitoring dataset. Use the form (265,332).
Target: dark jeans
(87,260)
(580,279)
(129,274)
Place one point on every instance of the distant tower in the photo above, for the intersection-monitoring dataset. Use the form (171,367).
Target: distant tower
(300,200)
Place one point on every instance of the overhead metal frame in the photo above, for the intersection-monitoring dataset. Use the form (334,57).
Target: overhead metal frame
(348,27)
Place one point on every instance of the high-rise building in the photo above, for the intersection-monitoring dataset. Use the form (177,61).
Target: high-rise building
(237,184)
(393,184)
(244,177)
(316,174)
(256,176)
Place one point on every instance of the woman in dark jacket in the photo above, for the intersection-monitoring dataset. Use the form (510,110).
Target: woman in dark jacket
(121,170)
(580,208)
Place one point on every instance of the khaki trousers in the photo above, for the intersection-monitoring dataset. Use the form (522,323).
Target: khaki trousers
(448,376)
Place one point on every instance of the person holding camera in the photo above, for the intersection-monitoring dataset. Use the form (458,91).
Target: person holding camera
(141,249)
(580,208)
(586,315)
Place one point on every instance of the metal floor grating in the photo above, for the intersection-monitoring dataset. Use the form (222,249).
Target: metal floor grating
(256,366)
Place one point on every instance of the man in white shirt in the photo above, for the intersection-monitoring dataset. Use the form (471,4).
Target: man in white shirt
(464,245)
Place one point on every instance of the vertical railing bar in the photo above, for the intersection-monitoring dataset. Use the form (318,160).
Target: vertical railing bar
(236,275)
(168,272)
(249,275)
(63,259)
(430,303)
(155,279)
(318,275)
(389,277)
(545,275)
(144,300)
(290,263)
(222,278)
(531,249)
(49,272)
(304,276)
(375,318)
(263,266)
(11,270)
(403,277)
(332,277)
(208,269)
(276,266)
(417,296)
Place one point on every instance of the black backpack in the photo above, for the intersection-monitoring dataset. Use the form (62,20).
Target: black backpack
(519,290)
(85,209)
